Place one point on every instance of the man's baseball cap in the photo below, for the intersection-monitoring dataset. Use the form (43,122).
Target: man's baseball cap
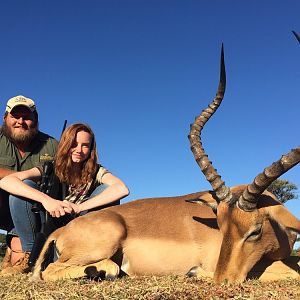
(20,100)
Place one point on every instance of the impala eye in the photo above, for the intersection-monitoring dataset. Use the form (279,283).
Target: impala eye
(255,234)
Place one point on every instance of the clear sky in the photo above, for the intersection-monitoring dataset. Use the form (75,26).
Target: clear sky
(138,72)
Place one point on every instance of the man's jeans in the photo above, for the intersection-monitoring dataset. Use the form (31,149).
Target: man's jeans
(25,221)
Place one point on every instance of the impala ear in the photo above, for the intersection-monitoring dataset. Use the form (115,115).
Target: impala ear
(282,216)
(212,204)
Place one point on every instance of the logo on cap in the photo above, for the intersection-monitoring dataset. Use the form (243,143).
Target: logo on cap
(20,100)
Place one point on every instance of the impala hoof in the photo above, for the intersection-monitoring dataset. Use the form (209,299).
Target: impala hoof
(91,271)
(110,277)
(192,272)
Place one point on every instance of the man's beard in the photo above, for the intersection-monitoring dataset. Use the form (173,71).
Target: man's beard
(20,138)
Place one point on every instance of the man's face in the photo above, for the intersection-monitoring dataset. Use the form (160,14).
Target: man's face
(20,125)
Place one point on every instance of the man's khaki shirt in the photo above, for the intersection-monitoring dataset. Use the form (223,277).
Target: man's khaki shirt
(41,149)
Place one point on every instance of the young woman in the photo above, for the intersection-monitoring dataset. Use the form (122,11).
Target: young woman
(89,186)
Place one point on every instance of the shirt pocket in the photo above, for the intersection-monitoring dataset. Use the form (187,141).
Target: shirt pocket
(7,163)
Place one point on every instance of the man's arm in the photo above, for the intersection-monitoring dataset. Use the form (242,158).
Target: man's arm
(5,172)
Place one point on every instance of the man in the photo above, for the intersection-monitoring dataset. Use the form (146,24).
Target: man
(22,146)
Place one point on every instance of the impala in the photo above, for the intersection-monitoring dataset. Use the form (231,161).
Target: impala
(226,233)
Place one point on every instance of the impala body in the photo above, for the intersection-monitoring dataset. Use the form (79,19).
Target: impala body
(171,235)
(226,233)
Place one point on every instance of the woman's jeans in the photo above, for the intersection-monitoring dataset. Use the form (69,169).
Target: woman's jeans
(26,222)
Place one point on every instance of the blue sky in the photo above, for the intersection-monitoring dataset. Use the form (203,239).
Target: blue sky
(138,72)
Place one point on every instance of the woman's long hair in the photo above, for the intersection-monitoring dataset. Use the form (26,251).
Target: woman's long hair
(65,169)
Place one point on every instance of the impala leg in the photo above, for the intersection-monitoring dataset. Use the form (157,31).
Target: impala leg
(58,270)
(107,266)
(277,270)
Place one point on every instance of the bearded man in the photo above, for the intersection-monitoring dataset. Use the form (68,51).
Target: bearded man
(22,146)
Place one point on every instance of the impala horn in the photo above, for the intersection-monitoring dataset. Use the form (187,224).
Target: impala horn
(296,35)
(223,193)
(248,200)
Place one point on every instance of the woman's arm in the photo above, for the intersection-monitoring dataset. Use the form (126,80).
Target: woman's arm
(13,184)
(116,190)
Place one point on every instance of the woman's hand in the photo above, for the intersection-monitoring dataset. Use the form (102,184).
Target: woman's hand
(75,207)
(57,208)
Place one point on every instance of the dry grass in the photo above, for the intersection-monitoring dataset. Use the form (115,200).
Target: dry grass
(148,287)
(168,287)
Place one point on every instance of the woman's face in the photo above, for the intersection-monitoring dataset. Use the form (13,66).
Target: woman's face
(81,148)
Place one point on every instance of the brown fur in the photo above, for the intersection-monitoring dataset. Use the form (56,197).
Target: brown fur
(170,236)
